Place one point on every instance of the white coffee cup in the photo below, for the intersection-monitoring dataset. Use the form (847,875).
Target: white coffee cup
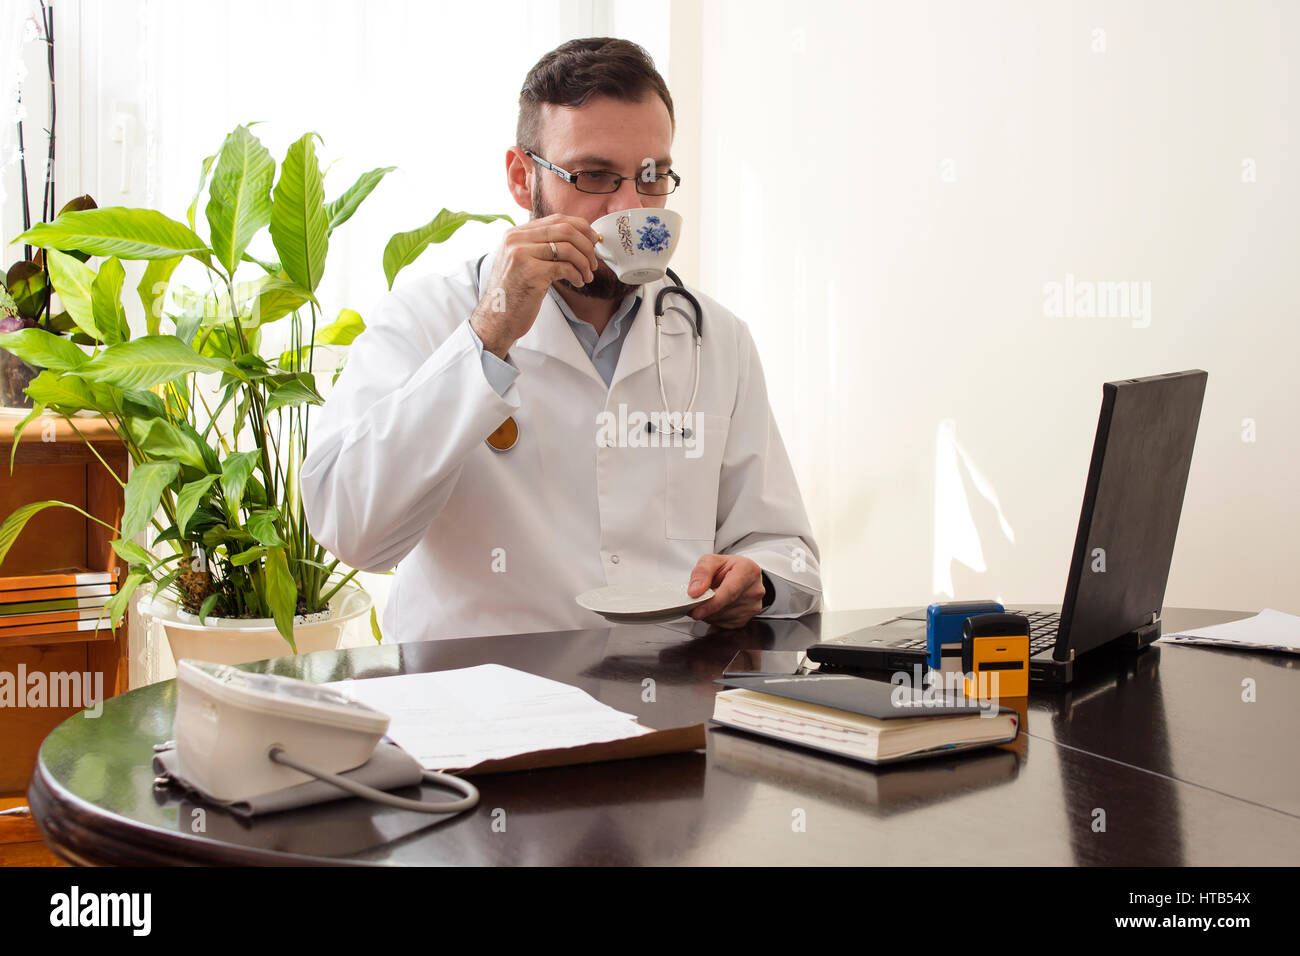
(637,243)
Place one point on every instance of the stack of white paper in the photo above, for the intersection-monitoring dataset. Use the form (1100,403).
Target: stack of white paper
(457,719)
(1268,630)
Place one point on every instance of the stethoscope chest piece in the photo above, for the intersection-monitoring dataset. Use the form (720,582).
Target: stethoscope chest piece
(504,438)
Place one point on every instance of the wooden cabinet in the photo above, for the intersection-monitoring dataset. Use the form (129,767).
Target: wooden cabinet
(54,463)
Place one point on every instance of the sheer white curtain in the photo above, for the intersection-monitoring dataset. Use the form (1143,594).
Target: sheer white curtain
(148,88)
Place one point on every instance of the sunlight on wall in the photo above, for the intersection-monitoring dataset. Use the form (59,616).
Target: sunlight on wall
(956,537)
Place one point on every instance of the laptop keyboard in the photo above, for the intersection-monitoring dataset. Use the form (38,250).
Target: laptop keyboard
(1043,626)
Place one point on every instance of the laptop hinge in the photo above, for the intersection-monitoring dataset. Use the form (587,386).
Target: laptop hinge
(1144,636)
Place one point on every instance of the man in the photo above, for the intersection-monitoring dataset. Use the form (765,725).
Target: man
(467,439)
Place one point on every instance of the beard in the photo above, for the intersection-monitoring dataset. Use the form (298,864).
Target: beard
(604,284)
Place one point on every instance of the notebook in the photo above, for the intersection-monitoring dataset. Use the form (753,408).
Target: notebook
(862,719)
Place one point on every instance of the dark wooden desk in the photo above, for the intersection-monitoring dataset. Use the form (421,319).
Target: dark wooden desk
(1184,770)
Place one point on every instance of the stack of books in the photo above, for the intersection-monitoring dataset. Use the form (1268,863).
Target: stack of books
(867,720)
(55,602)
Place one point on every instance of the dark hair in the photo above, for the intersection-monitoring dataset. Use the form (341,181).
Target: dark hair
(575,71)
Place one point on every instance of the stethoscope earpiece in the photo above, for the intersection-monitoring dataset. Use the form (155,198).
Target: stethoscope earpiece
(686,432)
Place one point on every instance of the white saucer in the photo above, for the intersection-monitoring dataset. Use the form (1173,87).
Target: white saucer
(641,603)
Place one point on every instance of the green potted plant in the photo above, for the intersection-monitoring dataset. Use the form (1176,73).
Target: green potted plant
(217,480)
(25,300)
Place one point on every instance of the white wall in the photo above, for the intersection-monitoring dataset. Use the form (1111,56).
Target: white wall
(901,299)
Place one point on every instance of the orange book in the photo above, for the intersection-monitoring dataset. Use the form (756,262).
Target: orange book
(35,630)
(51,617)
(45,594)
(57,577)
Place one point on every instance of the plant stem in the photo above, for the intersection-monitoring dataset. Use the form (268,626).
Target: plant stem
(47,18)
(257,406)
(93,451)
(22,170)
(212,420)
(346,578)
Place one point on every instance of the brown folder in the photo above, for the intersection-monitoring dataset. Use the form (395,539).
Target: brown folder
(674,740)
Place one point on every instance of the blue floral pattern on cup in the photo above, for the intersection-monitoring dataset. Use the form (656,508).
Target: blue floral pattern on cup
(654,235)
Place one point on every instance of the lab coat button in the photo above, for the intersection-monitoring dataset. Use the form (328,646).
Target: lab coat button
(613,559)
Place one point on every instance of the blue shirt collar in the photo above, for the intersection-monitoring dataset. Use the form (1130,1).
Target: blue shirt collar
(625,309)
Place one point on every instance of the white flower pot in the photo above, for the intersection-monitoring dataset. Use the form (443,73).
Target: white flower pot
(239,640)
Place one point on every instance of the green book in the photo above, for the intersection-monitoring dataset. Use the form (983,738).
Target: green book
(54,604)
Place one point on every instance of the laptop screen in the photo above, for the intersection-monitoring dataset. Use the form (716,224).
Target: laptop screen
(1131,506)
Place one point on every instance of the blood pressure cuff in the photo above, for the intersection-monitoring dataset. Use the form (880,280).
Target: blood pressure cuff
(389,768)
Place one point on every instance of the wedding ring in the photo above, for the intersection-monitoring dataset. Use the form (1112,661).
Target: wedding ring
(555,253)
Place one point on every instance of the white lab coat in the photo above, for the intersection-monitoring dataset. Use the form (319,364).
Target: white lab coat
(485,542)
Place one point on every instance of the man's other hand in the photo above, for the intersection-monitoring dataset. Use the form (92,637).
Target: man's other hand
(737,584)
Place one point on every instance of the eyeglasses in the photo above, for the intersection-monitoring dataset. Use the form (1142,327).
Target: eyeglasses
(602,181)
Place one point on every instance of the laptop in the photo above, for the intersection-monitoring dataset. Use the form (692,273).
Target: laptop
(1120,565)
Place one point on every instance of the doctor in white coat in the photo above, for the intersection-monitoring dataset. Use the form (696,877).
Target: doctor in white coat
(400,471)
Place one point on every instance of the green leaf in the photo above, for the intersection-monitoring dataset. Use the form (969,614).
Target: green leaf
(281,594)
(261,525)
(245,558)
(148,361)
(40,348)
(37,410)
(160,439)
(294,389)
(116,605)
(271,268)
(254,493)
(211,463)
(341,209)
(142,403)
(65,392)
(116,231)
(254,365)
(73,281)
(14,524)
(153,289)
(144,490)
(208,604)
(203,179)
(188,500)
(131,551)
(235,471)
(219,534)
(203,520)
(25,282)
(299,225)
(239,199)
(342,330)
(405,247)
(278,298)
(106,302)
(187,326)
(374,625)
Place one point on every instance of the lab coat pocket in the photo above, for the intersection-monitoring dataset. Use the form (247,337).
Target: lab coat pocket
(693,471)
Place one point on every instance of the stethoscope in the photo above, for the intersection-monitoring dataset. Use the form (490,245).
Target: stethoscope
(507,434)
(697,329)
